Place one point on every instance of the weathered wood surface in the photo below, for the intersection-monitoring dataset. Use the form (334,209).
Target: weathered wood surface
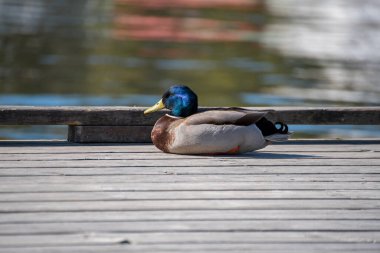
(320,196)
(123,134)
(133,116)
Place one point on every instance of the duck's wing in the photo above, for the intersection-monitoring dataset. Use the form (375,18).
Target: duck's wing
(218,131)
(225,117)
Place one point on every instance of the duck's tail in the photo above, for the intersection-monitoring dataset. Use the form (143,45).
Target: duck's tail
(271,132)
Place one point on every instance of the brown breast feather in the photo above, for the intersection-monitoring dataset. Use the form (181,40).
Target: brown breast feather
(162,134)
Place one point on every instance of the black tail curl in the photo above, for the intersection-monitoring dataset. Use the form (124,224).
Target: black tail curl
(268,128)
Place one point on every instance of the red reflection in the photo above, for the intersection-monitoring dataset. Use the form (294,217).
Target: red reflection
(160,4)
(181,29)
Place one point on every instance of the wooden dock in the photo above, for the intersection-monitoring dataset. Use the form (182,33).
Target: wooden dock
(89,195)
(302,196)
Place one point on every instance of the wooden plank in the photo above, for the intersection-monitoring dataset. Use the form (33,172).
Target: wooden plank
(126,134)
(263,204)
(204,247)
(290,160)
(192,226)
(188,195)
(167,178)
(211,170)
(153,156)
(193,238)
(76,115)
(184,186)
(186,215)
(329,116)
(122,116)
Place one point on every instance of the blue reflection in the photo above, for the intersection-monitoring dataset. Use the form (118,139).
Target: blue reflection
(182,64)
(269,99)
(250,65)
(76,100)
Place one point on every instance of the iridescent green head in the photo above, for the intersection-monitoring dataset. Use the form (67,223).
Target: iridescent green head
(179,99)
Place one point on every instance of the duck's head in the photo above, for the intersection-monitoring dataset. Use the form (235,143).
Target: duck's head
(179,99)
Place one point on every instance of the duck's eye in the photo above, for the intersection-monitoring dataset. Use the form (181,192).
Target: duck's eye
(166,95)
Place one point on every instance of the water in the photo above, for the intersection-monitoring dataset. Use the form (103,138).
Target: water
(231,52)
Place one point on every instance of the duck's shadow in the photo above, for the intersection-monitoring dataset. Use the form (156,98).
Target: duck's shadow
(269,155)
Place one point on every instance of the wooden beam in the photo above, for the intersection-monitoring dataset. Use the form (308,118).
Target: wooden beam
(133,116)
(75,115)
(98,134)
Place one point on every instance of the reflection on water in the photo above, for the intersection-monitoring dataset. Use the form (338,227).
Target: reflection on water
(232,52)
(77,100)
(340,39)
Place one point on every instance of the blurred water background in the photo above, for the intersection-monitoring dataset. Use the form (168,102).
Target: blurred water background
(231,52)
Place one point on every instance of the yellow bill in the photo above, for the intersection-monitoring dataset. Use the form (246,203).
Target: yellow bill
(158,106)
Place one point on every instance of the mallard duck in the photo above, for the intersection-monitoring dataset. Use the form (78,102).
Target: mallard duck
(225,131)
